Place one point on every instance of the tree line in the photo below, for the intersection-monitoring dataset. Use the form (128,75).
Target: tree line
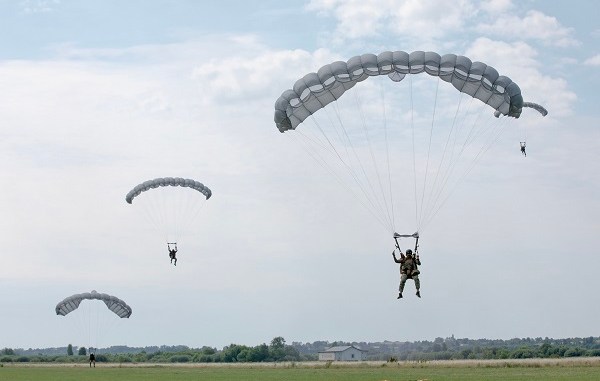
(450,348)
(276,351)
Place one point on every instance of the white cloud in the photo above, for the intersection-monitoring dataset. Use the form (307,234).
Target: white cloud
(421,20)
(534,26)
(593,61)
(356,18)
(78,101)
(39,6)
(252,77)
(430,20)
(496,6)
(518,61)
(435,23)
(239,75)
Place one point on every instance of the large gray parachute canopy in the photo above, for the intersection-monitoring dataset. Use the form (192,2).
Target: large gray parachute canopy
(316,90)
(116,305)
(167,182)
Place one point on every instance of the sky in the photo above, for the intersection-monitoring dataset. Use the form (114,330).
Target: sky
(98,96)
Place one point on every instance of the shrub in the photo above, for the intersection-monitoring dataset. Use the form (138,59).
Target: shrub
(180,358)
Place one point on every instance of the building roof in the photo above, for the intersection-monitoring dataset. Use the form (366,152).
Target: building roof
(341,349)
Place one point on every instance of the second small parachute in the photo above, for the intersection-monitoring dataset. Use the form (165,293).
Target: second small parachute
(93,317)
(167,182)
(71,303)
(170,204)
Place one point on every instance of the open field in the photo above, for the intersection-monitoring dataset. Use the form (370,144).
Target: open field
(577,369)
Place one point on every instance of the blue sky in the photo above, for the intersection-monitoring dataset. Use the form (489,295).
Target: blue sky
(112,24)
(98,96)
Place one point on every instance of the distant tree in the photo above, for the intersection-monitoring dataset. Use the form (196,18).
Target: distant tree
(588,341)
(208,351)
(82,351)
(574,352)
(231,352)
(277,349)
(503,353)
(466,353)
(291,354)
(244,355)
(180,358)
(140,357)
(522,353)
(123,358)
(545,349)
(278,342)
(69,350)
(259,353)
(8,351)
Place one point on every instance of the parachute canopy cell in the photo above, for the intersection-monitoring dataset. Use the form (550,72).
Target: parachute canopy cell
(531,105)
(316,90)
(167,182)
(71,303)
(536,107)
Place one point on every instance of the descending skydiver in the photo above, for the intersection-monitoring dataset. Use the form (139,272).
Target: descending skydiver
(92,358)
(408,269)
(172,252)
(523,149)
(408,265)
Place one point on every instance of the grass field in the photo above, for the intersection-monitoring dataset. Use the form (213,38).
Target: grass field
(506,370)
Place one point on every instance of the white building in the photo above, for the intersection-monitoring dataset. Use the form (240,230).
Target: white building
(343,353)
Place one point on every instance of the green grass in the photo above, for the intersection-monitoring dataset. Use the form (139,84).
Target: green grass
(399,372)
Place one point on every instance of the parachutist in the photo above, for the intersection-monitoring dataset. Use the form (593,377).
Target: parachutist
(523,149)
(408,269)
(92,359)
(172,252)
(168,209)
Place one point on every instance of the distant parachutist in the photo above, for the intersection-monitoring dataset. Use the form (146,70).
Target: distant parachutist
(172,251)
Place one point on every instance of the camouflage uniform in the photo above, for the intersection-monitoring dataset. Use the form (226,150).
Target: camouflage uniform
(409,269)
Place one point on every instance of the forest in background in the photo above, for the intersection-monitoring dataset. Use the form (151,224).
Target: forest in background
(449,348)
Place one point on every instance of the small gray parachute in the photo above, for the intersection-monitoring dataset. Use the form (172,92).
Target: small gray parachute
(71,303)
(167,182)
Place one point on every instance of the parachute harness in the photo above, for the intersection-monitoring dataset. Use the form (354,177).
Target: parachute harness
(415,235)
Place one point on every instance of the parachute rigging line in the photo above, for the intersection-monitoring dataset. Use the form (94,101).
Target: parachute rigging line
(435,99)
(431,187)
(385,207)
